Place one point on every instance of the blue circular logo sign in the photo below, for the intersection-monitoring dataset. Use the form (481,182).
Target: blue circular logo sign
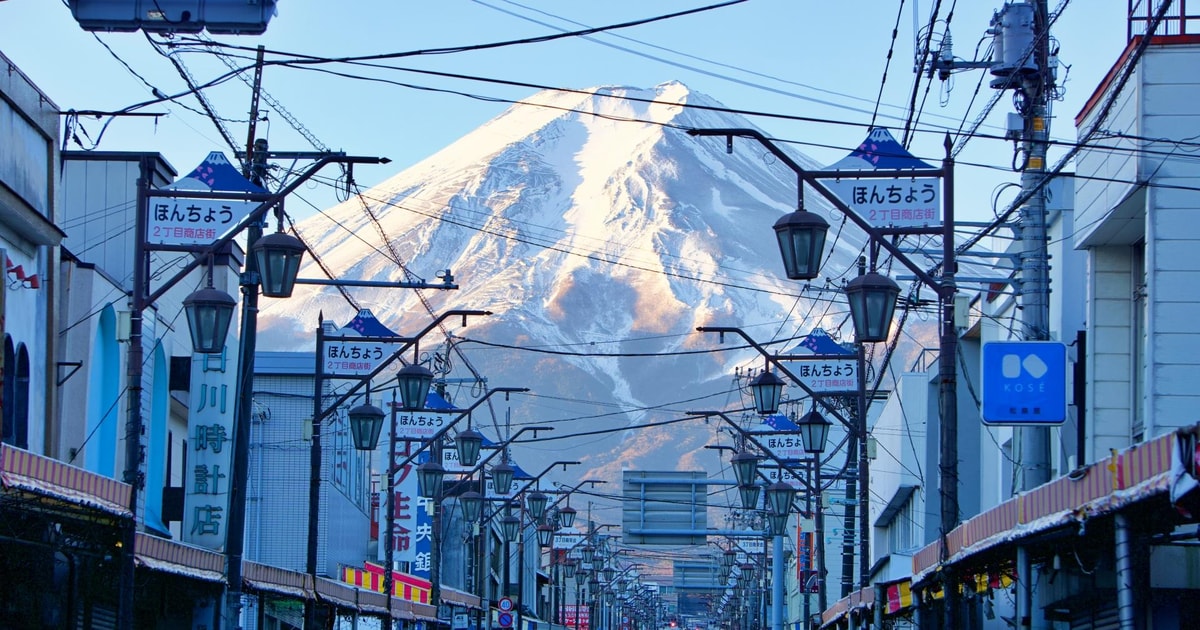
(505,619)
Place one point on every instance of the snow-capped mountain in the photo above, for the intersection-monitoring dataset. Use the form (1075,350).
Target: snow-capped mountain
(600,235)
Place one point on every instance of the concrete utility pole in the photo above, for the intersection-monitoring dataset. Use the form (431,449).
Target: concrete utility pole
(1022,61)
(1035,87)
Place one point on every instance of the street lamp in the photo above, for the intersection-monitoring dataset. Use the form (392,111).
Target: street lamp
(510,526)
(361,418)
(814,432)
(779,497)
(429,478)
(871,294)
(502,476)
(414,381)
(366,421)
(209,313)
(801,236)
(536,502)
(745,467)
(209,317)
(278,256)
(749,494)
(872,298)
(468,443)
(767,390)
(567,516)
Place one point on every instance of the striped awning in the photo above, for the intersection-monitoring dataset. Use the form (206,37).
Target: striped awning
(1140,472)
(21,470)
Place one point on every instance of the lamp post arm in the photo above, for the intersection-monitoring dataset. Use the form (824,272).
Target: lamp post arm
(496,451)
(568,493)
(748,436)
(777,361)
(407,343)
(446,429)
(812,178)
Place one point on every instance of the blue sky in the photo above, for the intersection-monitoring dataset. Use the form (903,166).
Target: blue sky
(817,59)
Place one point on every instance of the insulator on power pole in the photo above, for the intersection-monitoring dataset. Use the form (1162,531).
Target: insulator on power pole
(1013,37)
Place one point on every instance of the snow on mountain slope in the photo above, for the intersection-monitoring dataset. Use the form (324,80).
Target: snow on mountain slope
(600,235)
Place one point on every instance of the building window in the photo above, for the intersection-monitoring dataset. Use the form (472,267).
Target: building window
(16,394)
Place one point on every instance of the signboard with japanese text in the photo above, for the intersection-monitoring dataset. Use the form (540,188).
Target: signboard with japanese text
(825,376)
(571,542)
(775,474)
(412,520)
(210,427)
(784,446)
(420,426)
(894,202)
(344,357)
(574,616)
(191,221)
(755,545)
(835,371)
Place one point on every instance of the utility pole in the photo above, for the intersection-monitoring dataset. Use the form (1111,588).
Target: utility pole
(253,168)
(1022,61)
(1035,265)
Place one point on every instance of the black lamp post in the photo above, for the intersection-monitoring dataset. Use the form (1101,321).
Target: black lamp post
(536,502)
(468,443)
(502,477)
(777,524)
(472,505)
(278,257)
(745,467)
(366,422)
(566,516)
(414,381)
(814,432)
(429,479)
(209,313)
(801,236)
(872,298)
(545,535)
(767,390)
(510,526)
(749,494)
(779,497)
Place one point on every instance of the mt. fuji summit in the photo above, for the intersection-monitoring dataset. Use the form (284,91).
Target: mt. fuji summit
(600,235)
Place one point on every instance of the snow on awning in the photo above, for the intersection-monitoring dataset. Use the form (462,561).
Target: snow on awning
(1157,467)
(25,471)
(163,566)
(169,556)
(270,579)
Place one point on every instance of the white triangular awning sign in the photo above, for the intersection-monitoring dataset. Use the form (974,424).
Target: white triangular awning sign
(897,202)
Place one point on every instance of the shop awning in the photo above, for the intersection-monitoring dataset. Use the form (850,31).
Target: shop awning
(1157,467)
(23,471)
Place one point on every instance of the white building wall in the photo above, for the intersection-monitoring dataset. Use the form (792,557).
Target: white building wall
(1110,390)
(1144,348)
(28,205)
(1170,91)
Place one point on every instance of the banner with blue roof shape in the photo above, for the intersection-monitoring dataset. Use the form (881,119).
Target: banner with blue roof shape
(183,220)
(359,347)
(833,368)
(898,202)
